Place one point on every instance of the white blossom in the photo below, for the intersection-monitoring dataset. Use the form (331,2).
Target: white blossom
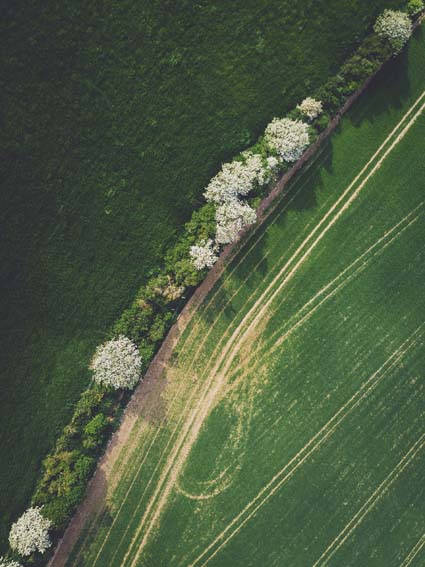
(272,163)
(30,533)
(395,26)
(288,137)
(204,254)
(236,178)
(9,563)
(231,218)
(310,107)
(117,363)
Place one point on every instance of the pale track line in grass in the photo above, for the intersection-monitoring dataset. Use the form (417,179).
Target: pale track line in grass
(240,259)
(194,392)
(381,244)
(193,359)
(195,330)
(417,548)
(194,423)
(234,444)
(370,503)
(343,281)
(114,479)
(284,474)
(197,353)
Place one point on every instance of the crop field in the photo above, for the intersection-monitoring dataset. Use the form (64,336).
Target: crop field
(289,427)
(114,117)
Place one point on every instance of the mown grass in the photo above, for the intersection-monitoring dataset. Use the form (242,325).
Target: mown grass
(308,441)
(113,119)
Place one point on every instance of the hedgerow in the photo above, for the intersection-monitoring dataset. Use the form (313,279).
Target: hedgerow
(232,197)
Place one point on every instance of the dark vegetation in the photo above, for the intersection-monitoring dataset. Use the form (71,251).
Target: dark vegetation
(114,117)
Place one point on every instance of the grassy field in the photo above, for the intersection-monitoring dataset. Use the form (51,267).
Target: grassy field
(289,427)
(113,119)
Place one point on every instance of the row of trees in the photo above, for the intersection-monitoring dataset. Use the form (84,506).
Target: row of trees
(285,140)
(231,199)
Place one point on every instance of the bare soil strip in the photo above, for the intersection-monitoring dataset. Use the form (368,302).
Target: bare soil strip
(195,331)
(247,326)
(96,490)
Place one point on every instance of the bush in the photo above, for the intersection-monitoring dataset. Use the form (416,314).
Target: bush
(94,432)
(310,107)
(288,137)
(204,255)
(63,485)
(395,27)
(8,563)
(414,7)
(30,533)
(135,322)
(117,364)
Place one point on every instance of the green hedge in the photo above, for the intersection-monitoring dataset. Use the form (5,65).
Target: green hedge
(67,469)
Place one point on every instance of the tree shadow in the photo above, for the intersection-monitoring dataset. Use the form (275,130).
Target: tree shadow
(251,263)
(387,91)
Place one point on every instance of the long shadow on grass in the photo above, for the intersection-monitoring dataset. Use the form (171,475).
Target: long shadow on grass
(252,264)
(390,88)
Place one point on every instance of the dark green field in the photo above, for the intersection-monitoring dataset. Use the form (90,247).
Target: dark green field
(113,118)
(290,427)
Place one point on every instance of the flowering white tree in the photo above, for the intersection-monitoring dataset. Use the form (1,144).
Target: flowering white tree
(30,532)
(237,178)
(204,254)
(310,107)
(395,26)
(117,363)
(272,164)
(231,217)
(9,563)
(288,137)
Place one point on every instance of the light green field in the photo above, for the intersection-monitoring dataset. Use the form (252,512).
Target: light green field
(289,428)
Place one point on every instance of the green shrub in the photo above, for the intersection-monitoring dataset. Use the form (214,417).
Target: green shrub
(63,484)
(135,322)
(67,469)
(414,7)
(94,432)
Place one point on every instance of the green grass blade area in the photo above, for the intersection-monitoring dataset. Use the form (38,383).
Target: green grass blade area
(114,117)
(289,429)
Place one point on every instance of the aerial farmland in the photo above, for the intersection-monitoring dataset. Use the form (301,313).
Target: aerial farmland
(278,413)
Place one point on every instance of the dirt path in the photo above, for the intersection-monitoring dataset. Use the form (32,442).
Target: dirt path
(101,481)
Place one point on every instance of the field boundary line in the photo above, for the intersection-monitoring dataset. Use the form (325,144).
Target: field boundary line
(417,548)
(266,208)
(176,460)
(370,502)
(317,155)
(280,478)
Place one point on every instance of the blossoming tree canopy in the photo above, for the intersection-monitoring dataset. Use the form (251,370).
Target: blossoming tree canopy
(311,108)
(30,533)
(237,178)
(9,563)
(231,218)
(204,254)
(289,138)
(395,26)
(117,363)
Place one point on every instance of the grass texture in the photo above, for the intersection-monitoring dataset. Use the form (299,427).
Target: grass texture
(289,427)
